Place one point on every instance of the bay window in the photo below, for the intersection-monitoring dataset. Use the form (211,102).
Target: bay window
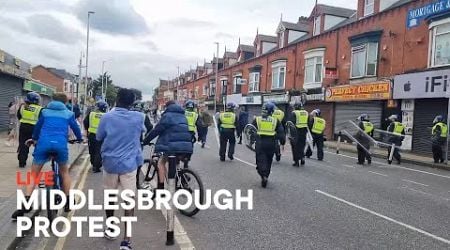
(278,74)
(364,60)
(440,43)
(253,85)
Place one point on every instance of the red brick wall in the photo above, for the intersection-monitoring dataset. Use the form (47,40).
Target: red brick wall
(43,75)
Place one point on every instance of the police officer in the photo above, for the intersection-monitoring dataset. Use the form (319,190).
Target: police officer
(397,134)
(300,119)
(279,114)
(317,127)
(269,130)
(193,122)
(439,135)
(28,115)
(366,126)
(227,126)
(91,122)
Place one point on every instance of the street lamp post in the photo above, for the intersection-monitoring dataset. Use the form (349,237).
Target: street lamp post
(103,83)
(87,60)
(217,77)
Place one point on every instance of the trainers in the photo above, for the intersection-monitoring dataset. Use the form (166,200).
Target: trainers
(17,213)
(203,144)
(231,157)
(278,157)
(264,182)
(222,158)
(302,162)
(296,164)
(125,245)
(107,233)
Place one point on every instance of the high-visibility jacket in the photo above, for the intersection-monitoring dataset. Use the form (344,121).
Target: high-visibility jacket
(368,127)
(30,113)
(318,125)
(191,119)
(94,121)
(228,120)
(301,118)
(266,126)
(444,129)
(398,128)
(279,114)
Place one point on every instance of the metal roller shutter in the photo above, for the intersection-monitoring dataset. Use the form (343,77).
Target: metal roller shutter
(10,87)
(424,113)
(351,111)
(327,113)
(253,110)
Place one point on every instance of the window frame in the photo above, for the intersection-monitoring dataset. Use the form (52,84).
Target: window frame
(314,54)
(235,85)
(432,45)
(316,26)
(276,67)
(364,46)
(223,86)
(254,81)
(366,5)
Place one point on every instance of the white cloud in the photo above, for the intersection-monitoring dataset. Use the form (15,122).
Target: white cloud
(142,40)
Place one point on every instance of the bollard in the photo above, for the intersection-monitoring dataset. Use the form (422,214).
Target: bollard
(338,143)
(171,186)
(391,153)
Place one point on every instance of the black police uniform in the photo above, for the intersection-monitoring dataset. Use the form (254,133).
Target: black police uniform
(227,135)
(298,145)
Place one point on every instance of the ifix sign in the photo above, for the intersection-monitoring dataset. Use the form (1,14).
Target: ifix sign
(429,84)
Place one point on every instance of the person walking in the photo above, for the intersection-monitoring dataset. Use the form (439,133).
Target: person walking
(28,115)
(243,121)
(397,134)
(279,114)
(121,130)
(91,122)
(193,123)
(362,136)
(205,121)
(227,127)
(269,130)
(439,134)
(317,127)
(299,117)
(12,132)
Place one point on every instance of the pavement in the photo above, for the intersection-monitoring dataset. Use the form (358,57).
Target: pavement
(8,186)
(330,204)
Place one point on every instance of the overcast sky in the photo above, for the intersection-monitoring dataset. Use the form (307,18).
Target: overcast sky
(142,40)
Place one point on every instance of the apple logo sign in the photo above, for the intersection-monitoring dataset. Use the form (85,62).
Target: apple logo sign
(407,87)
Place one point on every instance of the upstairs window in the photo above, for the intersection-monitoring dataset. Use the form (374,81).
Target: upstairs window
(369,7)
(278,74)
(364,60)
(224,83)
(281,39)
(212,88)
(237,84)
(316,28)
(440,43)
(253,84)
(314,68)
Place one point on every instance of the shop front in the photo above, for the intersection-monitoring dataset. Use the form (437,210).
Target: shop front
(252,104)
(350,101)
(279,99)
(423,95)
(45,91)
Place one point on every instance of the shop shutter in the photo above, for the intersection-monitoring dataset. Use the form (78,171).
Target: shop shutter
(327,113)
(253,110)
(424,113)
(351,111)
(10,87)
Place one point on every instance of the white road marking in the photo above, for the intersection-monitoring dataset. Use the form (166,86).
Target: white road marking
(393,166)
(446,241)
(180,234)
(418,183)
(246,162)
(373,172)
(425,193)
(206,146)
(348,166)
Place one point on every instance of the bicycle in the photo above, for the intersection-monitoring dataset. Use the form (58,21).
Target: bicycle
(57,184)
(185,178)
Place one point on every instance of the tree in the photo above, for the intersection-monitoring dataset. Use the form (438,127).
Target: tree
(111,90)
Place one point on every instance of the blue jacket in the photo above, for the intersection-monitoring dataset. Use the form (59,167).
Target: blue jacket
(243,119)
(172,129)
(54,122)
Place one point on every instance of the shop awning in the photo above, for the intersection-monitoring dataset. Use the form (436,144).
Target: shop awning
(38,87)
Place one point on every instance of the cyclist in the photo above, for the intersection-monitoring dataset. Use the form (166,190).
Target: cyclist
(121,130)
(173,137)
(269,130)
(227,126)
(28,115)
(91,122)
(50,133)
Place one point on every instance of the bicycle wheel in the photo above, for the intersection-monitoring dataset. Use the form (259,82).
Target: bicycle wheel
(51,213)
(146,176)
(189,180)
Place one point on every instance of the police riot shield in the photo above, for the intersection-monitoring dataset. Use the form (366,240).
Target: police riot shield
(250,134)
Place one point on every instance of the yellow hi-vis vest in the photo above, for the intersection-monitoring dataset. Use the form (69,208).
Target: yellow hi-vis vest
(266,126)
(227,119)
(444,129)
(398,128)
(318,125)
(94,121)
(368,127)
(191,119)
(301,118)
(279,114)
(30,114)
